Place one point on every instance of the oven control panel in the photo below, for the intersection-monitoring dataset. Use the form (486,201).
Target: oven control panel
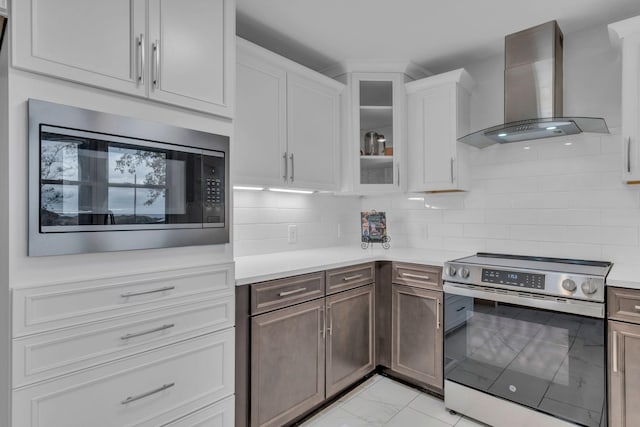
(514,278)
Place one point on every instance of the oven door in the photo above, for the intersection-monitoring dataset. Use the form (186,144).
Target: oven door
(542,352)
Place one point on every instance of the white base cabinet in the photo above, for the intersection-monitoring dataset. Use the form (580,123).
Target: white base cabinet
(140,350)
(629,32)
(438,113)
(185,56)
(287,124)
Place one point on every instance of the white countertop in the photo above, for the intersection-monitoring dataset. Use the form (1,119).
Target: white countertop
(624,275)
(258,268)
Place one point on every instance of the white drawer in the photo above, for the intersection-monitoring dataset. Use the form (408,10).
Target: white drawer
(147,390)
(44,308)
(221,414)
(43,356)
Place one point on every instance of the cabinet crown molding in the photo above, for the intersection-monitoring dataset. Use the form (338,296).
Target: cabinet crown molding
(624,28)
(460,76)
(412,70)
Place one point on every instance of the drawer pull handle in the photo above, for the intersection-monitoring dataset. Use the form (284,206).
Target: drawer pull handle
(147,394)
(637,307)
(354,277)
(151,291)
(461,308)
(415,276)
(150,331)
(295,291)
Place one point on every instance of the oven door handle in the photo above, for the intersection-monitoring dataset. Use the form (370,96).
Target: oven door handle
(583,308)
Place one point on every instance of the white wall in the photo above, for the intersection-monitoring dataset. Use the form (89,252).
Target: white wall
(552,199)
(261,219)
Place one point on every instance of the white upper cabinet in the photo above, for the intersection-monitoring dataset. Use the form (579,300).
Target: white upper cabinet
(287,123)
(185,57)
(3,7)
(373,154)
(629,32)
(438,113)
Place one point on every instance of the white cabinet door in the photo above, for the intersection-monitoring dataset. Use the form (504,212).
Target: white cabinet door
(99,43)
(3,7)
(438,115)
(312,133)
(629,31)
(192,53)
(259,149)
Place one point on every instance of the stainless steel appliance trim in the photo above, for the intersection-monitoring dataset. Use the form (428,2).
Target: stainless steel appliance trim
(293,292)
(141,56)
(583,308)
(150,291)
(127,227)
(415,276)
(147,332)
(148,393)
(355,276)
(68,117)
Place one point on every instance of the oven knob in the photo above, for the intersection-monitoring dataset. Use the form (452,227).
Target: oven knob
(569,285)
(451,271)
(464,272)
(589,287)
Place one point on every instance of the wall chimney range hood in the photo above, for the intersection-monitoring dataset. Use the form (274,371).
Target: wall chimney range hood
(533,92)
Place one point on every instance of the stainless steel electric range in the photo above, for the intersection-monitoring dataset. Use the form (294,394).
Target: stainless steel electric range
(525,340)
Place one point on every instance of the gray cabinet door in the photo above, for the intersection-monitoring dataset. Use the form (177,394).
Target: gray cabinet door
(624,372)
(287,363)
(416,334)
(350,332)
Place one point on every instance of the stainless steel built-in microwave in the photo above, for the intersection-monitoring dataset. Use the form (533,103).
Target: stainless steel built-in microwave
(102,182)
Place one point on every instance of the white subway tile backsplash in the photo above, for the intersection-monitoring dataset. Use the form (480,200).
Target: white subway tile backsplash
(541,233)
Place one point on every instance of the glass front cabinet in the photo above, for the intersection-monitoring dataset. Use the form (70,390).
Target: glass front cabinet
(375,134)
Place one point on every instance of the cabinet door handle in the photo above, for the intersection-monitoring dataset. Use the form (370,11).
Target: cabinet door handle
(637,307)
(437,314)
(355,276)
(330,328)
(629,155)
(286,167)
(451,170)
(460,309)
(150,291)
(398,167)
(295,291)
(292,167)
(147,332)
(614,351)
(323,328)
(156,63)
(141,56)
(415,276)
(147,394)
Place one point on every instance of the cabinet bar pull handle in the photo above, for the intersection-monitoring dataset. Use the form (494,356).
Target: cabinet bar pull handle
(614,351)
(460,309)
(452,170)
(156,64)
(355,276)
(147,394)
(437,314)
(323,330)
(150,331)
(398,167)
(330,314)
(141,56)
(292,167)
(286,167)
(629,154)
(151,291)
(637,307)
(295,291)
(415,276)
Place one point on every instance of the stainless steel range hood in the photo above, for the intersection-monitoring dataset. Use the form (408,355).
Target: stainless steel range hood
(533,92)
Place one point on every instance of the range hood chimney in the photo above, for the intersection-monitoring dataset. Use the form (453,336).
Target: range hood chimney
(533,92)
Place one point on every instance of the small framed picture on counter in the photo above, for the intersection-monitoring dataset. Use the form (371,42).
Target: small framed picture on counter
(374,226)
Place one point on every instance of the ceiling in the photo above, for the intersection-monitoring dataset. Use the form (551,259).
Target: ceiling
(438,35)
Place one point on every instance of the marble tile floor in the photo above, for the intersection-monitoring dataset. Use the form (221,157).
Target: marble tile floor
(380,401)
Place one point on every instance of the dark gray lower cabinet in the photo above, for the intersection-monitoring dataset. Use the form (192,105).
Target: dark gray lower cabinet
(287,363)
(416,334)
(350,337)
(624,374)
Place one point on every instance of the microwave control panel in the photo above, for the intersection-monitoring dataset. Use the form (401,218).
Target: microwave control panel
(213,190)
(513,278)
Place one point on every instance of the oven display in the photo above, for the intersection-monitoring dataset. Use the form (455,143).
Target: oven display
(512,278)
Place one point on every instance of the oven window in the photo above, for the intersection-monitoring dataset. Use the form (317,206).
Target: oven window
(549,361)
(109,184)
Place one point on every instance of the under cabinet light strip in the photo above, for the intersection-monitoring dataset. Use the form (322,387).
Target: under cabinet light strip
(241,187)
(287,190)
